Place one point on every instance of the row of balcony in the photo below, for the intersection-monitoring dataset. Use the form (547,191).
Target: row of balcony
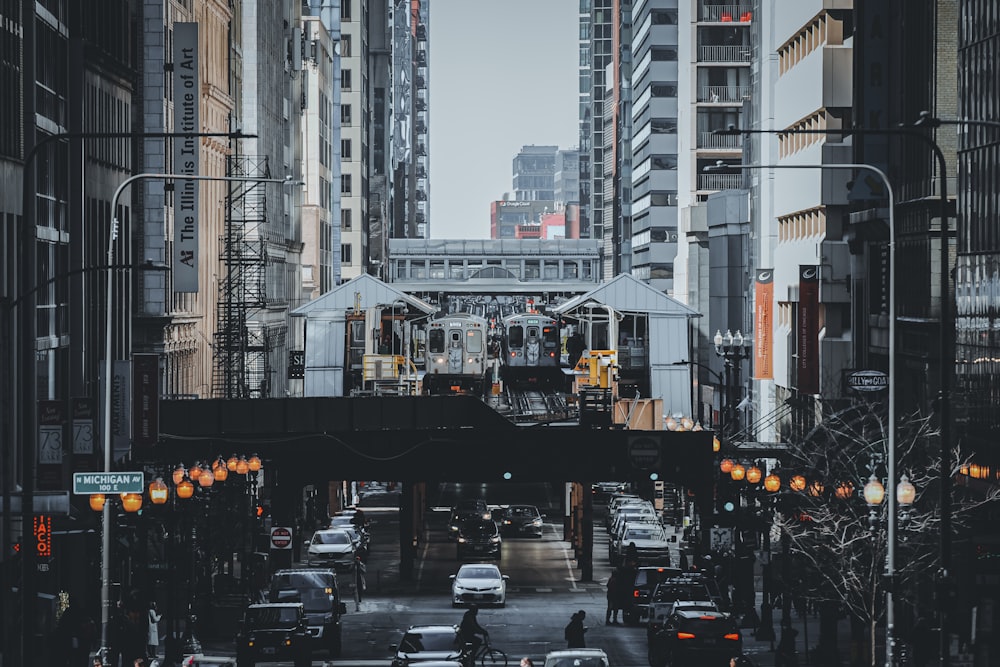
(739,13)
(739,53)
(708,140)
(723,94)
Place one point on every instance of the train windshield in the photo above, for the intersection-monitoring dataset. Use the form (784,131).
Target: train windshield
(550,337)
(474,341)
(515,337)
(435,340)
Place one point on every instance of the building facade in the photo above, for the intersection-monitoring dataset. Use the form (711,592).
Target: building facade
(534,173)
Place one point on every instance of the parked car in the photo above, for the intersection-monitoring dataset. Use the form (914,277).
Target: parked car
(316,589)
(652,547)
(423,643)
(577,657)
(646,579)
(659,612)
(331,547)
(478,538)
(695,637)
(480,584)
(274,631)
(519,520)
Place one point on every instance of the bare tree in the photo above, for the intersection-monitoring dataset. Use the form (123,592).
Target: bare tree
(839,542)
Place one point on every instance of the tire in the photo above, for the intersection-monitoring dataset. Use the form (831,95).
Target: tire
(493,657)
(335,646)
(244,661)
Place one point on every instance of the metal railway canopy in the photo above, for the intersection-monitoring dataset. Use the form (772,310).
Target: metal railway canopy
(424,438)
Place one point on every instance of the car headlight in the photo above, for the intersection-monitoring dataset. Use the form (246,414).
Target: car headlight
(536,522)
(495,539)
(461,540)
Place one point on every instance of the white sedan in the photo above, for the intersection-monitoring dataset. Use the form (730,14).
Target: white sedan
(479,583)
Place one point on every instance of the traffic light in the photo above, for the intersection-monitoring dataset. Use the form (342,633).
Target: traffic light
(726,496)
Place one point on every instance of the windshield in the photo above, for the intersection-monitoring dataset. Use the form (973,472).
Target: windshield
(589,661)
(651,533)
(478,573)
(524,511)
(415,642)
(336,537)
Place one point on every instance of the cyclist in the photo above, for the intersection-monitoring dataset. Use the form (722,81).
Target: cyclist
(469,629)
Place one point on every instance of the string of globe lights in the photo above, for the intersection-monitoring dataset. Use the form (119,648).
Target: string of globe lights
(185,481)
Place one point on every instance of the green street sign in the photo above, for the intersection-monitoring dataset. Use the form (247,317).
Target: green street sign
(86,483)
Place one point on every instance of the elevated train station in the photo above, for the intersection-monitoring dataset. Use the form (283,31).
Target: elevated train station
(364,414)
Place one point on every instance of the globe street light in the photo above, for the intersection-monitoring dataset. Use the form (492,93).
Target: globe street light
(890,564)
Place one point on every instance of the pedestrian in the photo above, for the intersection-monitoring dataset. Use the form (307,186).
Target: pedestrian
(575,631)
(611,613)
(526,662)
(153,634)
(575,345)
(631,556)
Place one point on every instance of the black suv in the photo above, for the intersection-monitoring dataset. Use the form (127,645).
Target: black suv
(273,631)
(316,589)
(478,538)
(695,637)
(646,579)
(467,509)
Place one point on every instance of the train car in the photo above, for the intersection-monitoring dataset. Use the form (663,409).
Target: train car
(532,349)
(457,355)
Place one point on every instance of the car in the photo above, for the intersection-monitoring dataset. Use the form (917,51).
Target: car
(652,547)
(478,538)
(467,509)
(479,583)
(202,660)
(646,579)
(695,637)
(273,631)
(577,657)
(607,488)
(424,643)
(519,520)
(316,589)
(331,547)
(660,611)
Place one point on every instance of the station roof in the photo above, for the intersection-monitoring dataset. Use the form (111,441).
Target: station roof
(364,291)
(627,294)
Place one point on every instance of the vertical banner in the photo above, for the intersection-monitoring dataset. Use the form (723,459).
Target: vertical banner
(807,331)
(186,154)
(145,399)
(121,430)
(763,368)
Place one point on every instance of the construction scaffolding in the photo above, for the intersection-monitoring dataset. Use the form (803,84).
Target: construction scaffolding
(243,347)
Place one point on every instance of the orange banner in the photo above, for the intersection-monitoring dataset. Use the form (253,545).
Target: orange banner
(762,322)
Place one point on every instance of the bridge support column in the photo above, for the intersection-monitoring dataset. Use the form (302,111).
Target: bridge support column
(409,509)
(586,558)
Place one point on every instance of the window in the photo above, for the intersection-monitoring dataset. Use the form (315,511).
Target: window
(345,46)
(345,184)
(345,79)
(345,253)
(345,114)
(345,10)
(345,218)
(345,149)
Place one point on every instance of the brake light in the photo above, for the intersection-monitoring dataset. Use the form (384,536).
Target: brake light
(685,635)
(635,593)
(707,618)
(733,636)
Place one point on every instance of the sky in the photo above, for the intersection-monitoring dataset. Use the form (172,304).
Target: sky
(502,75)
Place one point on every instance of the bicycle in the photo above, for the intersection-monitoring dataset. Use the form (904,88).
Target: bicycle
(486,656)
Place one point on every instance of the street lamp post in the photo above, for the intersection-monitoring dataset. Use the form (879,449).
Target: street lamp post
(109,323)
(890,561)
(733,350)
(25,378)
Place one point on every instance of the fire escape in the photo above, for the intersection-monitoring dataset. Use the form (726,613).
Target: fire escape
(243,347)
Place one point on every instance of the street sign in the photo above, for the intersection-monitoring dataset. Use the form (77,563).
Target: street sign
(86,483)
(281,537)
(644,452)
(868,381)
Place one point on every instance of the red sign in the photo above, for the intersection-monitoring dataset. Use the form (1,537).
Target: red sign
(43,535)
(281,537)
(762,324)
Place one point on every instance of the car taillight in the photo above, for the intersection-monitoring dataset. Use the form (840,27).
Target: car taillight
(733,636)
(635,593)
(685,635)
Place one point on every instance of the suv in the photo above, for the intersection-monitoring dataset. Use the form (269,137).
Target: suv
(332,547)
(478,538)
(423,643)
(695,637)
(273,631)
(467,509)
(646,579)
(316,589)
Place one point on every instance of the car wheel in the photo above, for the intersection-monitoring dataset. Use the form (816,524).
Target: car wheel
(631,618)
(244,661)
(335,646)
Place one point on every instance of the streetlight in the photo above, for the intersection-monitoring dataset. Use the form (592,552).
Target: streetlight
(733,349)
(25,379)
(890,564)
(106,517)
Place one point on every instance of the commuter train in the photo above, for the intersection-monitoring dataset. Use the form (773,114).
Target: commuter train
(532,349)
(457,355)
